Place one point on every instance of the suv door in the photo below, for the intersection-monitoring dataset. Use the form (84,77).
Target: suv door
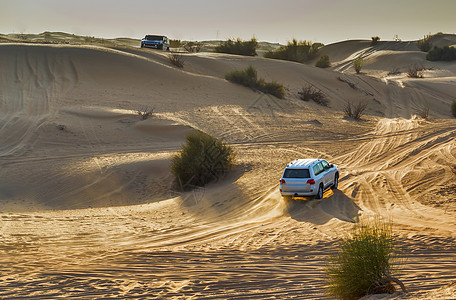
(319,174)
(328,173)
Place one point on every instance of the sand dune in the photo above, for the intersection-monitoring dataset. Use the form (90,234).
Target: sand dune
(87,203)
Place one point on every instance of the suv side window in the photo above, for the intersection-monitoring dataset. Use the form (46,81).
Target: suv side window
(325,165)
(318,168)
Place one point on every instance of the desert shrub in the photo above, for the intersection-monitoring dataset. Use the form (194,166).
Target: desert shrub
(425,43)
(375,40)
(358,64)
(453,108)
(176,59)
(323,62)
(192,47)
(423,112)
(145,112)
(394,71)
(238,47)
(89,39)
(365,262)
(274,88)
(355,111)
(174,43)
(249,78)
(445,53)
(301,51)
(416,71)
(202,159)
(309,92)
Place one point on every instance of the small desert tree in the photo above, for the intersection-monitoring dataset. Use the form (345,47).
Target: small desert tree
(375,40)
(453,108)
(358,64)
(201,160)
(323,62)
(365,263)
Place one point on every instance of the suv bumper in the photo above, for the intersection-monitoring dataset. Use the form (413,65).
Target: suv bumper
(299,194)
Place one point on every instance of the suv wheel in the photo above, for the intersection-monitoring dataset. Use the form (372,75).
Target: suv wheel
(336,182)
(320,192)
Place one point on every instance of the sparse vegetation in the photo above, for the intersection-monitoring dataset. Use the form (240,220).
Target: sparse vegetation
(323,62)
(365,263)
(176,59)
(358,64)
(375,40)
(425,43)
(174,43)
(238,47)
(249,78)
(423,112)
(145,112)
(301,51)
(201,160)
(273,87)
(192,47)
(355,111)
(445,53)
(453,108)
(416,71)
(309,92)
(394,71)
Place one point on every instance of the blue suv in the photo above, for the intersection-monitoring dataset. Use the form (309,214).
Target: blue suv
(160,42)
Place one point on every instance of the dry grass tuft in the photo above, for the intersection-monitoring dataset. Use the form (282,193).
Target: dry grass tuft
(355,111)
(176,59)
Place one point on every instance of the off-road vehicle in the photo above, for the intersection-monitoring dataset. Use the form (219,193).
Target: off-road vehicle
(308,177)
(160,42)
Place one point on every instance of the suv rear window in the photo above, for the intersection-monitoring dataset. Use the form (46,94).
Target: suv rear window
(154,38)
(296,173)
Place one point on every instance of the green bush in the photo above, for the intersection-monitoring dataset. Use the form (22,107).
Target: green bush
(453,108)
(358,64)
(445,53)
(425,43)
(375,40)
(274,88)
(249,78)
(301,51)
(238,47)
(365,263)
(323,62)
(201,160)
(174,43)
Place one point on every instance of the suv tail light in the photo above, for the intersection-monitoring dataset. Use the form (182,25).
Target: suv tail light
(311,181)
(282,181)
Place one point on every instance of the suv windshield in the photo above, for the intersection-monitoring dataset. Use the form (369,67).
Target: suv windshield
(296,173)
(153,38)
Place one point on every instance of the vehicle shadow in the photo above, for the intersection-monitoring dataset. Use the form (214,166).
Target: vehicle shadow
(334,204)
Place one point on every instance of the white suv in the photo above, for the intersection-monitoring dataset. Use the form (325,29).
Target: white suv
(308,177)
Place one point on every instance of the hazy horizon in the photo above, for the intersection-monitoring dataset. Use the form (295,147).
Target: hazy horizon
(324,21)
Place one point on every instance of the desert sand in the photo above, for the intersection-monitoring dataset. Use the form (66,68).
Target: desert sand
(87,203)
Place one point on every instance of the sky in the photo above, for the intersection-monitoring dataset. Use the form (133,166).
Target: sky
(325,21)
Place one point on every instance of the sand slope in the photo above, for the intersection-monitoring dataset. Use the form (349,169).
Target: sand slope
(86,198)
